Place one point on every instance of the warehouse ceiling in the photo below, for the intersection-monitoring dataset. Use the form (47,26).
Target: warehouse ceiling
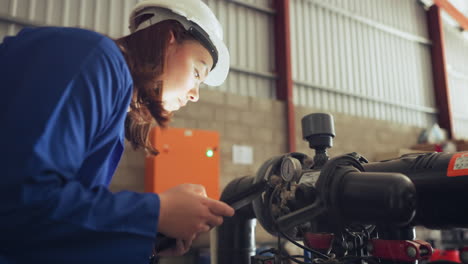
(461,5)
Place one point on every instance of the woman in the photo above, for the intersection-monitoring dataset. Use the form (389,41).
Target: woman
(70,96)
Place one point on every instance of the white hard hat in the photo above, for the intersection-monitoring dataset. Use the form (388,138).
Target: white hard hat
(196,17)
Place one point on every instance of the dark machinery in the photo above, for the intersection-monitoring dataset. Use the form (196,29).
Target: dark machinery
(344,209)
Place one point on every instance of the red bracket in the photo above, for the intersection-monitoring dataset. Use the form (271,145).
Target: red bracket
(400,250)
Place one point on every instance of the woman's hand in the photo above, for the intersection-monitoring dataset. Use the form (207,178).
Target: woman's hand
(185,211)
(181,247)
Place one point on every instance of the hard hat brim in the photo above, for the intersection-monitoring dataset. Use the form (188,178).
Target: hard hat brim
(219,74)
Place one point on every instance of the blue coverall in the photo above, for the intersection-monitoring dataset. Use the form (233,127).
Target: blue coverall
(64,98)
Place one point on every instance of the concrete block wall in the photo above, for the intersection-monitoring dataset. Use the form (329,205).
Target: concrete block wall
(260,123)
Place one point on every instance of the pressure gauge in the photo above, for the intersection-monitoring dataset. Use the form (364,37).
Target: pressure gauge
(291,168)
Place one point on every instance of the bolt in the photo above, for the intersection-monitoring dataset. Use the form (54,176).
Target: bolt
(411,252)
(424,251)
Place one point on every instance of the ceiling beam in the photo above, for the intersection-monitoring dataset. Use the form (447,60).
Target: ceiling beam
(453,12)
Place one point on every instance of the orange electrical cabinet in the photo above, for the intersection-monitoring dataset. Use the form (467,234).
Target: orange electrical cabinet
(186,156)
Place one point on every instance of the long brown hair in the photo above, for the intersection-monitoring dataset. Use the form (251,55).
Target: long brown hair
(145,52)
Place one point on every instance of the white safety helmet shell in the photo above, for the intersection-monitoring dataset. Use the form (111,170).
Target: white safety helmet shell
(194,11)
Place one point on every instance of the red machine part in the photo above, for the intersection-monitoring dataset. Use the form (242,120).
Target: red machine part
(452,255)
(319,241)
(400,250)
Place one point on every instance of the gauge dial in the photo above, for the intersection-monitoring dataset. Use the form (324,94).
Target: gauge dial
(290,169)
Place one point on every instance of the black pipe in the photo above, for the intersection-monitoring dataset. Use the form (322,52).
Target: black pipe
(351,195)
(441,196)
(236,236)
(236,241)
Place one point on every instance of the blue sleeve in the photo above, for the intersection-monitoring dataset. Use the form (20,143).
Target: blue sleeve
(47,215)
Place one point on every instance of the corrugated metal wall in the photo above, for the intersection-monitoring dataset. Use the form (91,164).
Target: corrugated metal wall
(248,31)
(456,49)
(106,16)
(248,26)
(365,57)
